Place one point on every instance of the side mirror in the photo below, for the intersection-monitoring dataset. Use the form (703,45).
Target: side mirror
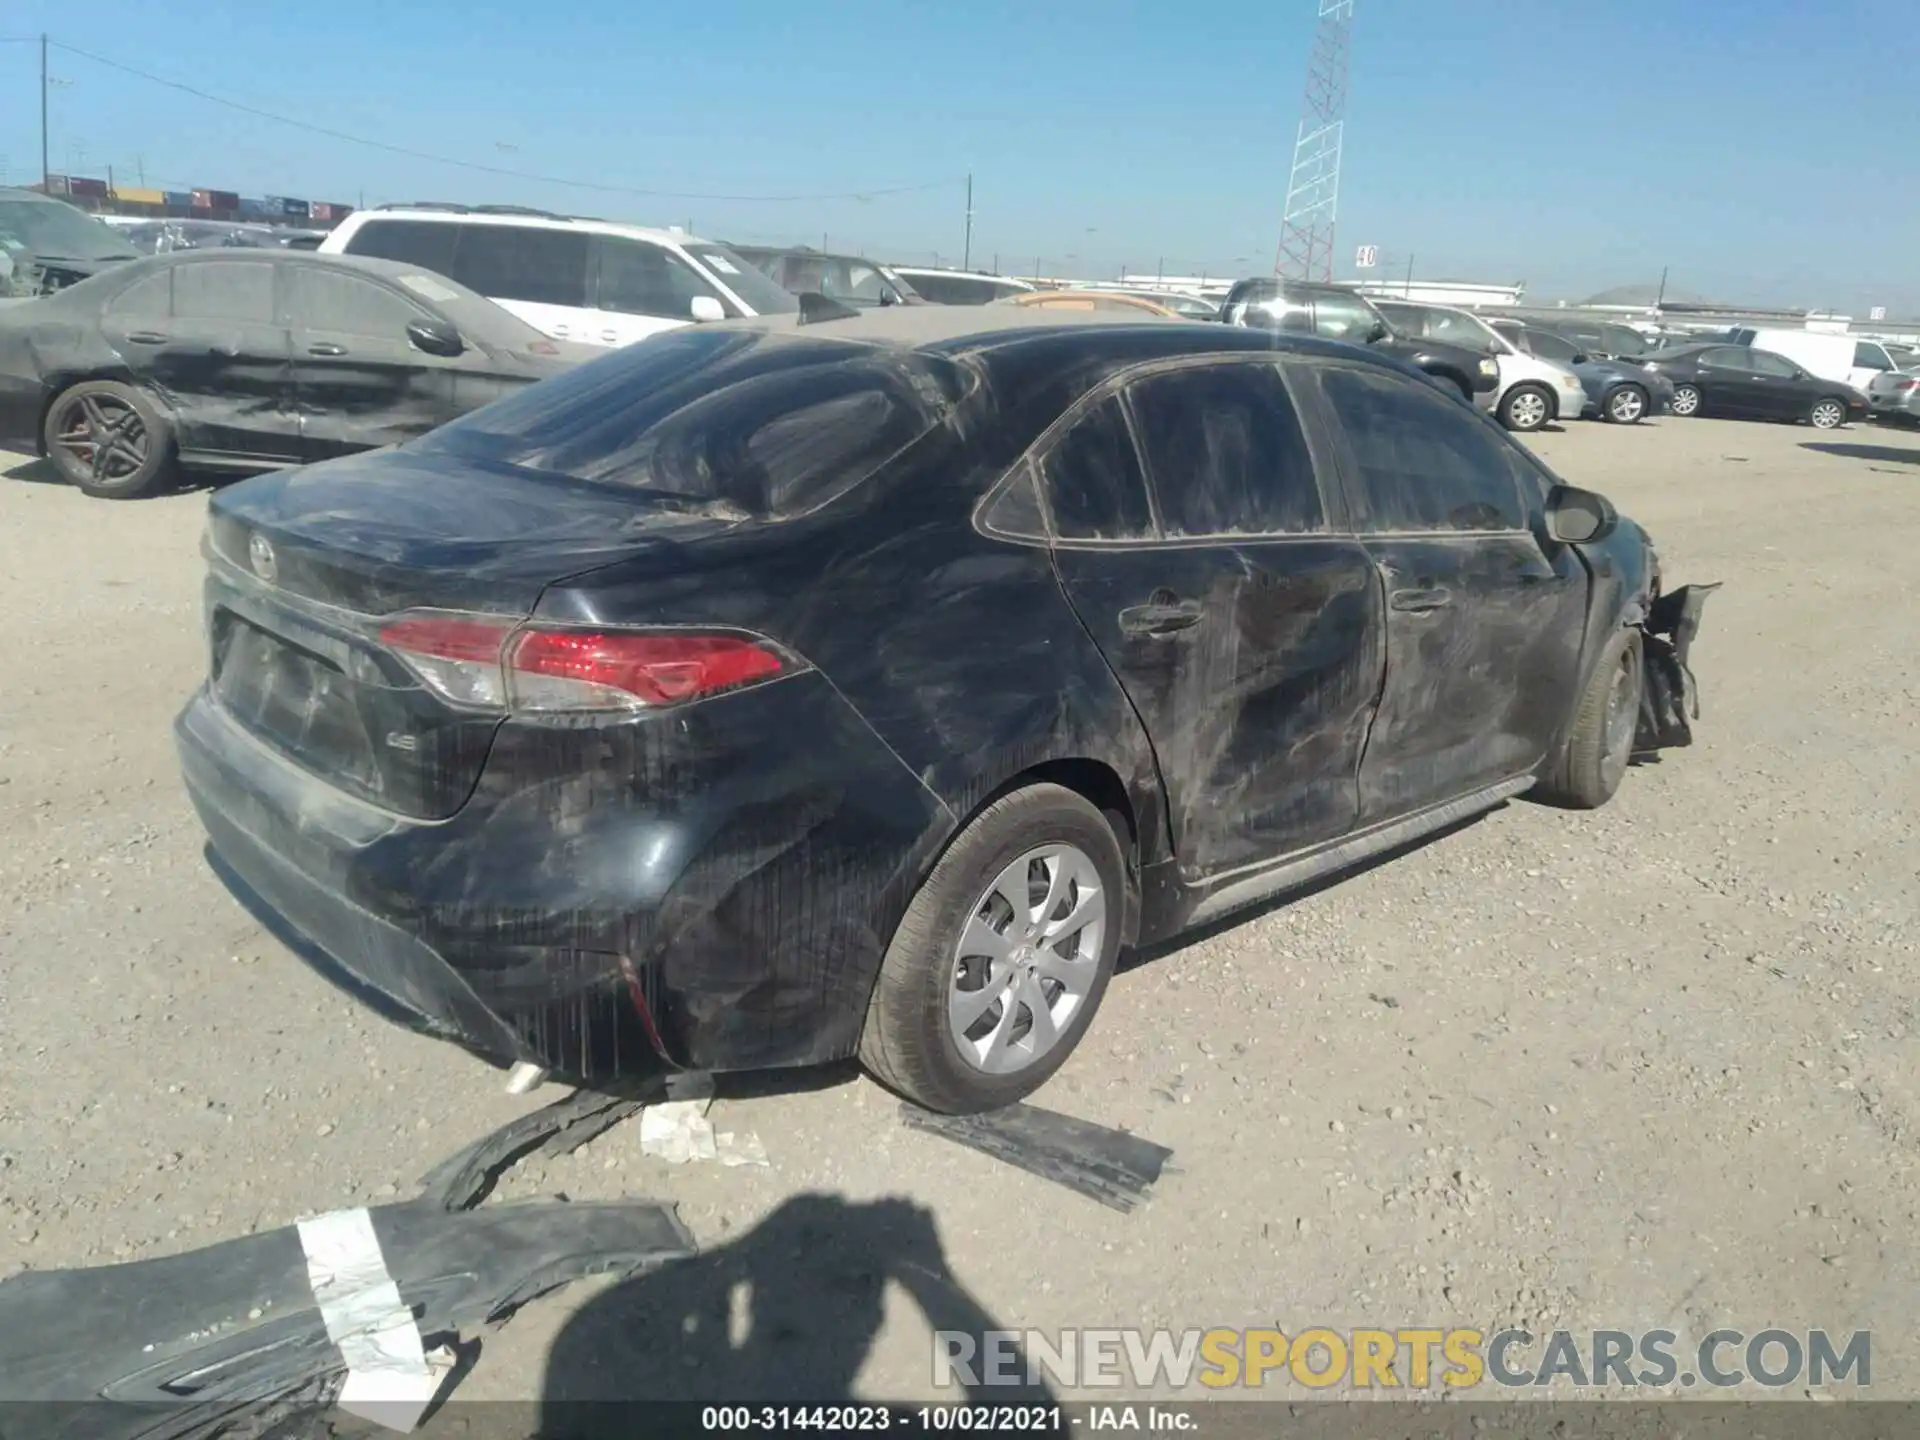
(705,308)
(1378,332)
(1580,357)
(1579,517)
(890,296)
(436,337)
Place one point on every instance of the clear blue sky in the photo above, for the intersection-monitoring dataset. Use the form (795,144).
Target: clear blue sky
(1763,149)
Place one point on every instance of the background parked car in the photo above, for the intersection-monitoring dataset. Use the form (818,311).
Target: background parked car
(1188,307)
(1341,314)
(960,287)
(1532,389)
(1857,363)
(47,245)
(1086,301)
(591,281)
(1596,339)
(1895,397)
(251,360)
(1737,381)
(1622,392)
(606,654)
(850,279)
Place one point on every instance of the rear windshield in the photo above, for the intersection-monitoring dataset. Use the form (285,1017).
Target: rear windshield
(738,421)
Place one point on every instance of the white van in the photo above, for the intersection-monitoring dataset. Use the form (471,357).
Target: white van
(1830,357)
(595,282)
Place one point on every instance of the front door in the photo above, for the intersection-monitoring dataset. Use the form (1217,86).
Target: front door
(641,290)
(1245,630)
(1777,389)
(358,381)
(1484,625)
(217,357)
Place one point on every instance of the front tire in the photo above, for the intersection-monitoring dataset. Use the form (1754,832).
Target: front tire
(1827,414)
(1686,400)
(1002,957)
(1626,406)
(108,439)
(1594,761)
(1526,407)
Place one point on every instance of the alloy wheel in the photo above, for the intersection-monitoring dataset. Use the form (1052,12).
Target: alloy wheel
(105,435)
(1686,400)
(1528,410)
(1626,406)
(1828,415)
(1027,959)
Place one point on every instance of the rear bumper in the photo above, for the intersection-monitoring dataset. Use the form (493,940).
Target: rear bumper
(602,907)
(20,401)
(1904,406)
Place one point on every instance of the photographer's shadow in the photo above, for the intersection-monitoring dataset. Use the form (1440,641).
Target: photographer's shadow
(786,1313)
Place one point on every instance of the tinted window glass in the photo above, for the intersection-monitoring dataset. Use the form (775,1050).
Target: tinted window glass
(1016,509)
(224,290)
(641,279)
(1342,317)
(332,300)
(1226,452)
(520,262)
(1095,488)
(724,421)
(1766,363)
(151,296)
(952,289)
(1622,340)
(426,243)
(1423,462)
(1868,356)
(1549,346)
(761,294)
(1725,357)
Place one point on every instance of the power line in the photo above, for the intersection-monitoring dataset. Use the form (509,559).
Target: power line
(494,169)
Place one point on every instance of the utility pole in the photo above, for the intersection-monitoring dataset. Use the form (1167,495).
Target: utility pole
(46,170)
(1406,290)
(1313,184)
(140,167)
(1661,297)
(110,185)
(966,256)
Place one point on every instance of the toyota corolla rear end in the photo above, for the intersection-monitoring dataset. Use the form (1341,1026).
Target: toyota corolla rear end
(523,759)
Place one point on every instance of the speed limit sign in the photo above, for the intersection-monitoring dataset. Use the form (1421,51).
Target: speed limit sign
(1366,257)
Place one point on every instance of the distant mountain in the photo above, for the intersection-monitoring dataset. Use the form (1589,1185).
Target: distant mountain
(1643,295)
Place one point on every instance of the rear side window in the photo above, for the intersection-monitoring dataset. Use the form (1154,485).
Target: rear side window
(1094,484)
(521,262)
(1765,362)
(346,304)
(1727,357)
(1867,356)
(1422,462)
(732,422)
(1549,346)
(426,243)
(224,290)
(1226,453)
(150,297)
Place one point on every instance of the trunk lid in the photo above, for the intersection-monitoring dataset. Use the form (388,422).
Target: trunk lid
(305,564)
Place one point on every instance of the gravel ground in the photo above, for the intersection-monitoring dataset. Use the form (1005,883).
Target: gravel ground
(1647,1067)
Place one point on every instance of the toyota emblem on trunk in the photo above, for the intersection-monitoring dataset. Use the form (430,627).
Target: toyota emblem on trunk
(260,553)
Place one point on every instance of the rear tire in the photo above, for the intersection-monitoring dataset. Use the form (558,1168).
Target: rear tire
(1827,414)
(1686,400)
(1526,407)
(109,439)
(951,1024)
(1626,406)
(1590,768)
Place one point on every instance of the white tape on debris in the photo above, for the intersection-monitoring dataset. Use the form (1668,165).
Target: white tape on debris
(389,1378)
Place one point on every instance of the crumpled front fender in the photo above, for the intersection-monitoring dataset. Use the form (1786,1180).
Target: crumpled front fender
(1670,699)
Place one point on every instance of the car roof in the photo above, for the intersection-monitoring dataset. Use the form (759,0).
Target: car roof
(959,274)
(536,220)
(367,264)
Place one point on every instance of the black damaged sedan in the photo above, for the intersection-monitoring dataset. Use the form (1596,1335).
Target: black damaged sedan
(771,693)
(248,360)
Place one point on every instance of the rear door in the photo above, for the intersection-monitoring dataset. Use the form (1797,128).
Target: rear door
(642,289)
(1484,615)
(1245,629)
(540,273)
(217,354)
(358,381)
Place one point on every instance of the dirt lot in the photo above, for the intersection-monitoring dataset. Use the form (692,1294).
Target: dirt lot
(1648,1067)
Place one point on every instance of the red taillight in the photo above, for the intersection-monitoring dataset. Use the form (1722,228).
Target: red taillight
(494,665)
(572,670)
(1904,385)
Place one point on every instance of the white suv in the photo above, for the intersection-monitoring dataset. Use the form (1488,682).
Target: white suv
(595,282)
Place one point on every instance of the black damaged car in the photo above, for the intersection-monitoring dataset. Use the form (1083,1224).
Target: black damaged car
(248,360)
(772,692)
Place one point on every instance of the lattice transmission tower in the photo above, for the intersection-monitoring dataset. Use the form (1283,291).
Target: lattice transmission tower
(1313,186)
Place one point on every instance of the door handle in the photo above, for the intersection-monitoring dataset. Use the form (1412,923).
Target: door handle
(146,337)
(1164,614)
(1421,602)
(326,349)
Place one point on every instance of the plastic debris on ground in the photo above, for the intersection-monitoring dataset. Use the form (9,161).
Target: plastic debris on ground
(1110,1166)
